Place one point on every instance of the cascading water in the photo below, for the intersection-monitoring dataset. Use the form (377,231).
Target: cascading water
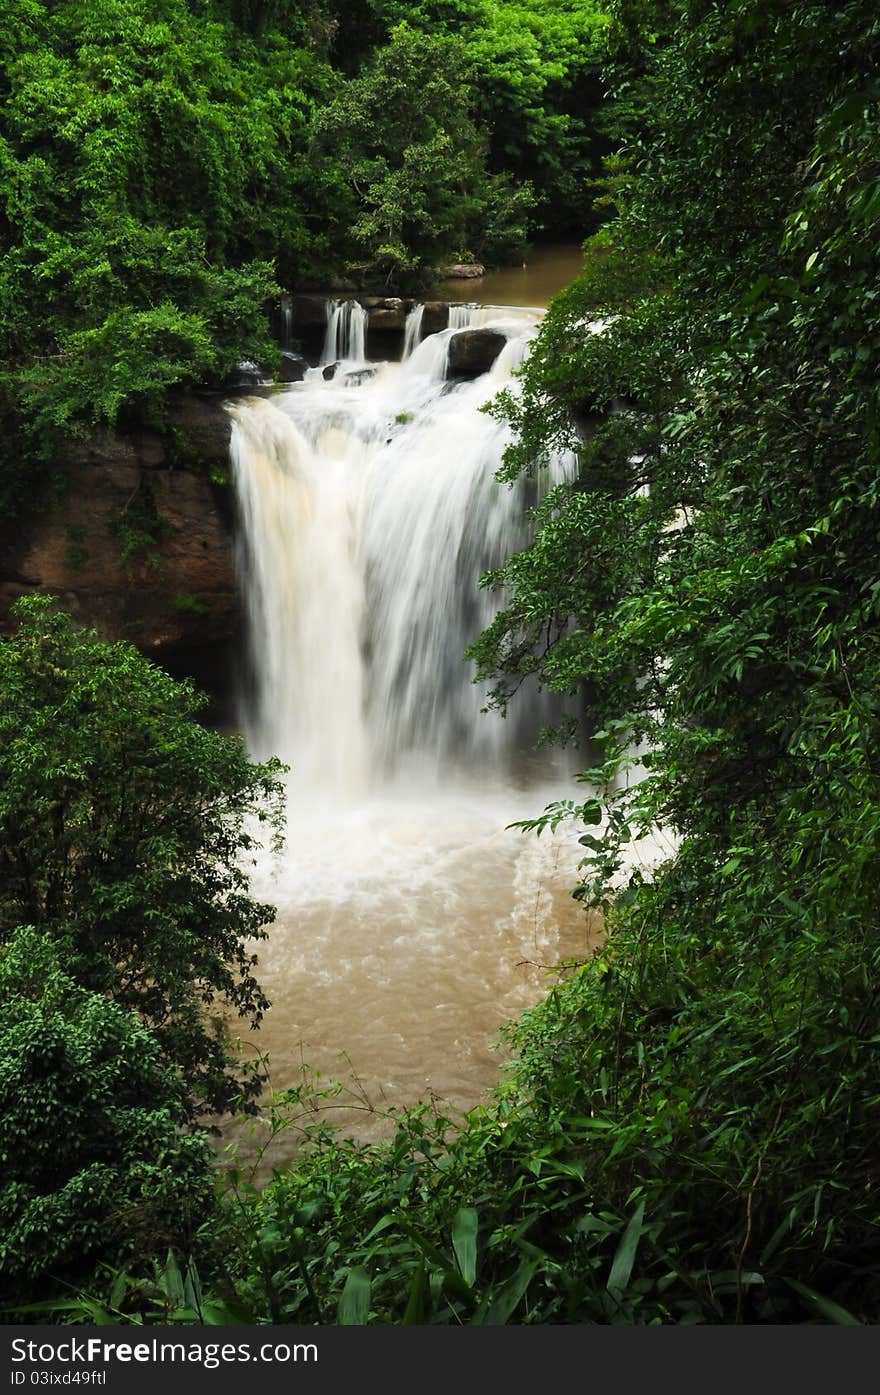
(369,510)
(346,332)
(286,322)
(460,316)
(412,333)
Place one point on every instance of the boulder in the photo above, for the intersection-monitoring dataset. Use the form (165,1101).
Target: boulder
(293,368)
(247,373)
(461,271)
(384,321)
(473,351)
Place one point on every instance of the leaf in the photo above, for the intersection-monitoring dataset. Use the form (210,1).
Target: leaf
(464,1243)
(117,1292)
(450,1276)
(354,1301)
(830,1311)
(624,1259)
(192,1288)
(511,1295)
(171,1281)
(381,1225)
(415,1305)
(216,1313)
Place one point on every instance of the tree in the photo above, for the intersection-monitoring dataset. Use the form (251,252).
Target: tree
(403,138)
(152,178)
(124,826)
(94,1166)
(534,70)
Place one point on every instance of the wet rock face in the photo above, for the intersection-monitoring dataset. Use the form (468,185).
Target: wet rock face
(473,351)
(359,376)
(138,542)
(309,312)
(384,319)
(435,317)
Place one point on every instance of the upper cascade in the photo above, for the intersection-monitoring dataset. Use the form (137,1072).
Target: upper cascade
(346,332)
(413,329)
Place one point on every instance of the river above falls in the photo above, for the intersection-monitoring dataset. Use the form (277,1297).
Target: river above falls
(547,270)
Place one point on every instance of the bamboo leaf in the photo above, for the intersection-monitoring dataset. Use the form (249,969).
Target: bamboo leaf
(464,1243)
(624,1259)
(511,1295)
(415,1307)
(354,1301)
(829,1310)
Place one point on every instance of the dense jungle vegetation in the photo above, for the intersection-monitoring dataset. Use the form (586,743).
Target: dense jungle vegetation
(165,167)
(688,1132)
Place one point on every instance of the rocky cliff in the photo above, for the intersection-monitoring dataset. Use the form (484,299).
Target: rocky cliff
(135,540)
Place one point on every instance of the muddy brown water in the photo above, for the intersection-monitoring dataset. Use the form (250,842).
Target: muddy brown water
(547,271)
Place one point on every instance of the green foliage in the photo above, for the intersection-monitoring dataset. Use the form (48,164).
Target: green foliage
(140,160)
(710,578)
(535,75)
(123,829)
(613,1180)
(93,1164)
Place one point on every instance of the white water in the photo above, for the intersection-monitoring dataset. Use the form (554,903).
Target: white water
(346,332)
(411,922)
(460,316)
(286,322)
(412,335)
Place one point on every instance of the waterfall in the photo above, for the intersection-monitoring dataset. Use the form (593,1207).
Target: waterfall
(460,316)
(346,332)
(305,600)
(369,513)
(286,322)
(413,329)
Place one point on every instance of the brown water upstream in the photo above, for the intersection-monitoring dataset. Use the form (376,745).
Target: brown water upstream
(548,270)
